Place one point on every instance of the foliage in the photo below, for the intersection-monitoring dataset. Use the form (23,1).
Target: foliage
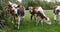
(26,3)
(44,4)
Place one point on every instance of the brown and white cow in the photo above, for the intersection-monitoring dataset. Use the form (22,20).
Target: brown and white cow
(39,15)
(18,13)
(56,13)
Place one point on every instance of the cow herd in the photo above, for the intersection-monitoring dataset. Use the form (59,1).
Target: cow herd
(39,15)
(18,12)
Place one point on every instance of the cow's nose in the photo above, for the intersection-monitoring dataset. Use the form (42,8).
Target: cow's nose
(49,22)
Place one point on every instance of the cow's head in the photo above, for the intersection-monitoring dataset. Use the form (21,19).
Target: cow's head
(47,20)
(14,8)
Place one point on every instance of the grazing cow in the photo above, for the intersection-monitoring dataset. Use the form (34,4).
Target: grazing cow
(56,13)
(18,13)
(32,11)
(39,15)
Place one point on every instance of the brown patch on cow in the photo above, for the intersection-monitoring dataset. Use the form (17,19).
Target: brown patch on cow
(9,9)
(34,10)
(20,10)
(41,15)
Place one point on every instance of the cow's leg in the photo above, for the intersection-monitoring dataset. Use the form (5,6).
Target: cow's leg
(22,18)
(13,19)
(34,18)
(55,17)
(37,21)
(42,21)
(59,19)
(59,13)
(31,16)
(19,21)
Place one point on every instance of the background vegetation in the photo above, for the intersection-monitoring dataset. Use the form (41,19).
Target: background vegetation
(26,3)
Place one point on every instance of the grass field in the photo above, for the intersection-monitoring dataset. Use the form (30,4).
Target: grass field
(29,26)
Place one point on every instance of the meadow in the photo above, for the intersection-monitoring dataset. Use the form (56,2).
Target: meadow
(29,25)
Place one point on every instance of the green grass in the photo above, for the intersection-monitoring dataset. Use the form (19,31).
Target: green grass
(29,26)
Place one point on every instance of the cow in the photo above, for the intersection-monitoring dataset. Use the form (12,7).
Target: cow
(39,15)
(17,12)
(56,13)
(32,12)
